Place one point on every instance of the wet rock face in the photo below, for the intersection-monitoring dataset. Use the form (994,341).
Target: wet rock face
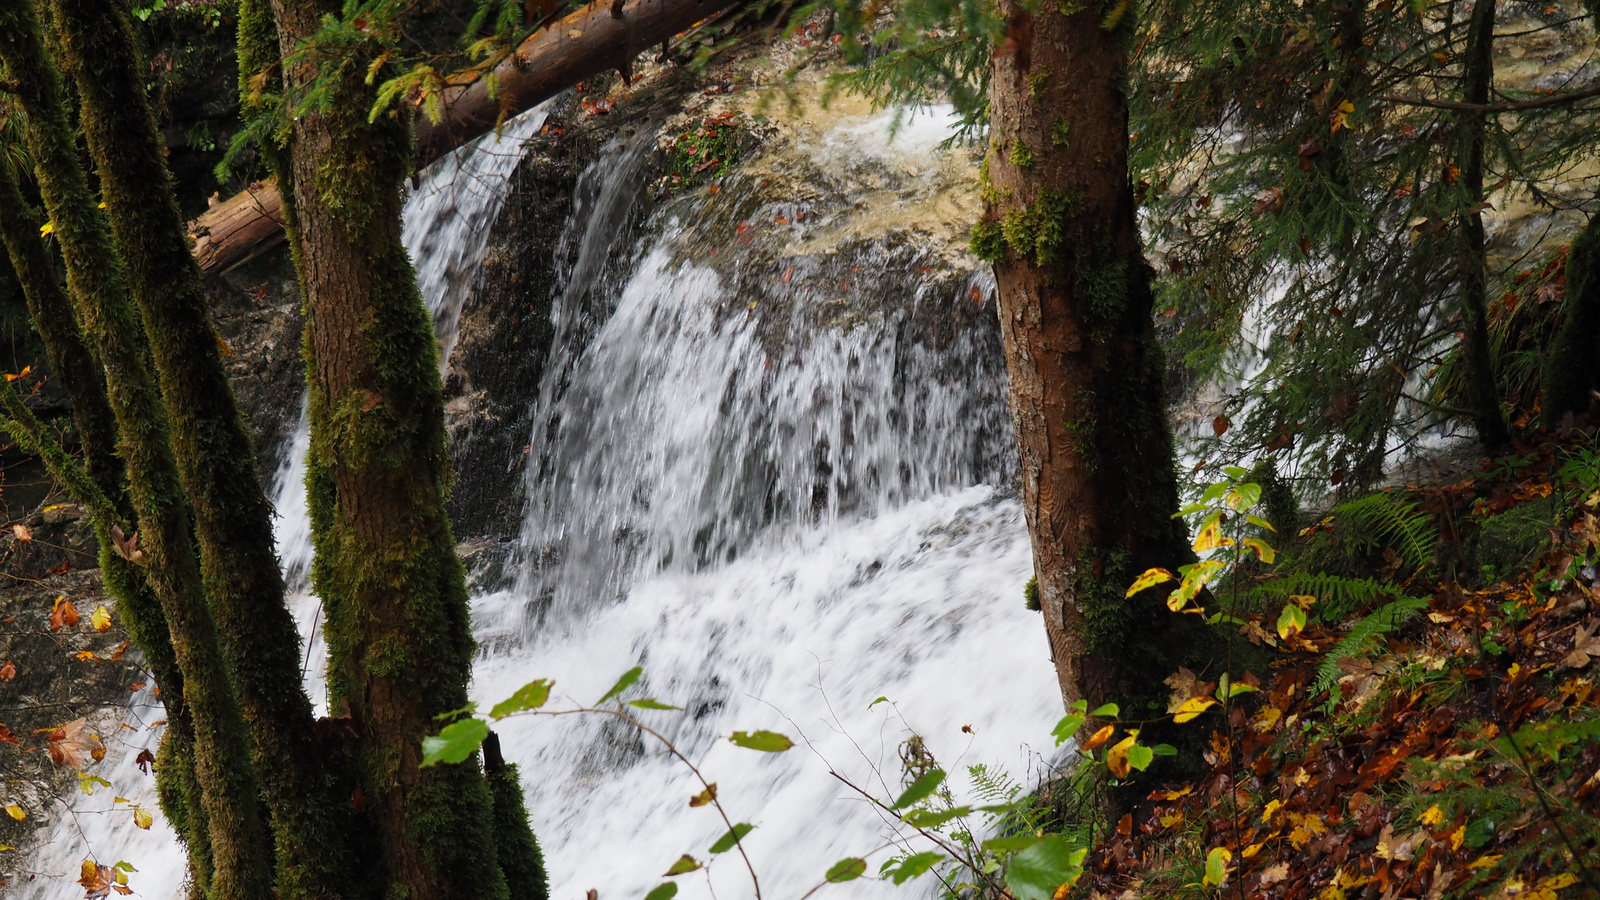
(534,260)
(256,311)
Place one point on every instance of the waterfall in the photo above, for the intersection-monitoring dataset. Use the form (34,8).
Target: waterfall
(782,504)
(776,473)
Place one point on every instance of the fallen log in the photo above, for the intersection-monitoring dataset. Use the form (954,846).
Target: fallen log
(597,38)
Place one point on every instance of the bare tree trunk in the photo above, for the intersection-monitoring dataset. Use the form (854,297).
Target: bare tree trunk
(1086,373)
(608,36)
(1482,394)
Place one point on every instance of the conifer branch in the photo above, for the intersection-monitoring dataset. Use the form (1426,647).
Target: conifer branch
(1545,102)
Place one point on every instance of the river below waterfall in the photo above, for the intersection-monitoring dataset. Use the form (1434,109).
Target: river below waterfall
(783,495)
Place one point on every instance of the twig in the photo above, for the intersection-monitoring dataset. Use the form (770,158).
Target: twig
(1592,90)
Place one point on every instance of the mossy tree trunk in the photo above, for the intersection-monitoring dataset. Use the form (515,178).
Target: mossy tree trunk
(1086,372)
(79,371)
(1571,376)
(233,518)
(240,849)
(399,642)
(1482,395)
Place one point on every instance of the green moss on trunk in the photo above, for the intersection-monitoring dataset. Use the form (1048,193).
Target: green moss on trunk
(399,638)
(232,516)
(515,845)
(240,849)
(79,370)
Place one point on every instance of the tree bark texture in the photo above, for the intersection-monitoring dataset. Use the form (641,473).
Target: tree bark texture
(1086,373)
(79,371)
(400,645)
(1571,374)
(240,851)
(232,516)
(544,65)
(1482,394)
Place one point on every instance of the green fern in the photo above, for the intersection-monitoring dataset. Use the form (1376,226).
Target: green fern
(1336,595)
(1363,636)
(1392,522)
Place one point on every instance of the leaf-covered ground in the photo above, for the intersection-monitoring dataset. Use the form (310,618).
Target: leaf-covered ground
(1433,733)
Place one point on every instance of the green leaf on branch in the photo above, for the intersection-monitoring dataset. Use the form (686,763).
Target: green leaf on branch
(623,683)
(765,741)
(1067,727)
(455,743)
(664,891)
(1108,711)
(931,818)
(685,863)
(1164,750)
(912,866)
(848,869)
(532,695)
(1244,496)
(1011,844)
(1035,873)
(731,839)
(651,703)
(1260,523)
(920,789)
(1140,757)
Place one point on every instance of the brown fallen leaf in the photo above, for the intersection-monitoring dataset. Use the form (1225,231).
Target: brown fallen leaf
(22,533)
(6,737)
(1585,646)
(1274,874)
(96,879)
(63,614)
(8,671)
(72,744)
(145,760)
(1185,686)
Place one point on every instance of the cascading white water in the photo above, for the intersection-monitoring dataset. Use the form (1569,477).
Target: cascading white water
(780,520)
(781,516)
(448,216)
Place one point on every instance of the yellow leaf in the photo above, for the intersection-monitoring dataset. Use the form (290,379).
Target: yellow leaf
(142,818)
(46,228)
(1557,882)
(100,619)
(1485,861)
(1433,817)
(1117,757)
(1150,577)
(1253,849)
(1192,708)
(15,812)
(1210,536)
(1457,836)
(1272,807)
(1262,549)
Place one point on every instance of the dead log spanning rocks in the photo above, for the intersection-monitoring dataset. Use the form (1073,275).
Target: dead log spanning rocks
(602,36)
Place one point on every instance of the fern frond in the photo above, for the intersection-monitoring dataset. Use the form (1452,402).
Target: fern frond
(1336,595)
(1363,636)
(1394,522)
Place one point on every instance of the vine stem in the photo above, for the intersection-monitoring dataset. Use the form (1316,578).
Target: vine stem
(738,839)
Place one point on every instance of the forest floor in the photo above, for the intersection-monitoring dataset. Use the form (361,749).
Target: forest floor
(1434,732)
